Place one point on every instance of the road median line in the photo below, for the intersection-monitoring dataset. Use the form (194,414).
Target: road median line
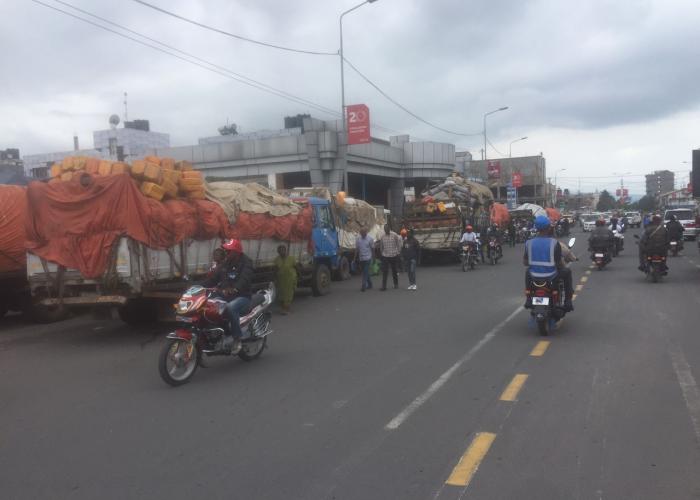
(403,415)
(540,348)
(510,393)
(579,288)
(467,466)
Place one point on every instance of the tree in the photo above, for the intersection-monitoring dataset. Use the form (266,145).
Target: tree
(606,202)
(647,203)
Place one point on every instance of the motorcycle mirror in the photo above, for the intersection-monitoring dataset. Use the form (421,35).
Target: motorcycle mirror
(571,242)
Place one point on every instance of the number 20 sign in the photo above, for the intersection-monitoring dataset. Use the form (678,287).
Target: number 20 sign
(358,124)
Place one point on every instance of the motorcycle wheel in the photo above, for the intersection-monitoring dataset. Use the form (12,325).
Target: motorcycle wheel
(471,263)
(175,364)
(252,350)
(464,264)
(543,326)
(493,260)
(654,277)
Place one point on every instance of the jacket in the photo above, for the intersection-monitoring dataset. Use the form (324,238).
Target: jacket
(410,249)
(675,230)
(654,239)
(601,237)
(237,276)
(543,257)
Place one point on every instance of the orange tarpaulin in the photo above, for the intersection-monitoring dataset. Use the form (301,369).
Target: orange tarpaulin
(287,228)
(13,209)
(499,214)
(76,226)
(553,214)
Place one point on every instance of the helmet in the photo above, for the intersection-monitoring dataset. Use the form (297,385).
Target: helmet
(600,222)
(469,228)
(404,232)
(232,246)
(542,222)
(672,218)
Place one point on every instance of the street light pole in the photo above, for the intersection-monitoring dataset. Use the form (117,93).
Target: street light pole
(342,90)
(485,115)
(510,146)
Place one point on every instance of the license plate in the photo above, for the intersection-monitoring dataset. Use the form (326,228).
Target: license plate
(599,256)
(540,301)
(184,319)
(674,243)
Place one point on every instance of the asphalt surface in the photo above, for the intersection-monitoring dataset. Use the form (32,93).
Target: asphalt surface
(376,395)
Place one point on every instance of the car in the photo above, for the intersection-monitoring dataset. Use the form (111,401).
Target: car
(588,221)
(686,216)
(634,219)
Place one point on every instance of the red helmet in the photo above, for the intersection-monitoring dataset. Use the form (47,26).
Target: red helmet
(232,246)
(469,228)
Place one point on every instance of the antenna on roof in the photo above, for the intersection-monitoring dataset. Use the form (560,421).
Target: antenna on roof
(126,108)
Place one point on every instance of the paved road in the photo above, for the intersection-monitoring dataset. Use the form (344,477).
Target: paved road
(437,394)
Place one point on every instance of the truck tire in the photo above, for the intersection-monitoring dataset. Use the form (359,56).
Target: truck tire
(3,309)
(138,312)
(343,271)
(48,314)
(321,280)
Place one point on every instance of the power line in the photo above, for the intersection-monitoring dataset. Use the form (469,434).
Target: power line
(233,35)
(494,147)
(196,61)
(400,106)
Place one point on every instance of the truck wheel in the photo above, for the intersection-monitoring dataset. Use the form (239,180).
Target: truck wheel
(343,271)
(321,280)
(138,312)
(3,309)
(48,314)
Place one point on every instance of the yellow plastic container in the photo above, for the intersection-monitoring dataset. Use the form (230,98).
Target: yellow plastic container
(138,168)
(119,167)
(153,159)
(172,176)
(189,185)
(167,163)
(56,170)
(152,190)
(183,165)
(66,176)
(153,173)
(193,174)
(104,168)
(170,188)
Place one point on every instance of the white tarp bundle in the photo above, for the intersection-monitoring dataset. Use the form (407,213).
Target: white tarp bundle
(458,188)
(234,198)
(536,209)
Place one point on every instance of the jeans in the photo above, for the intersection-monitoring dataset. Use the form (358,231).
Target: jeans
(393,262)
(366,278)
(233,310)
(412,271)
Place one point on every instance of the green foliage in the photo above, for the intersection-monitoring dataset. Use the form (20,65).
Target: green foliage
(606,202)
(647,203)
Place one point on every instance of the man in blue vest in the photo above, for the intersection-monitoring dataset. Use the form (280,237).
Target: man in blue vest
(544,260)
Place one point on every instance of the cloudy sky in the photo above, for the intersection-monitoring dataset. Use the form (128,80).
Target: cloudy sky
(600,87)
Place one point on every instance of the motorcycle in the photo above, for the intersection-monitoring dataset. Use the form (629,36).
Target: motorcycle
(619,243)
(675,247)
(546,299)
(600,257)
(494,250)
(468,256)
(656,267)
(201,312)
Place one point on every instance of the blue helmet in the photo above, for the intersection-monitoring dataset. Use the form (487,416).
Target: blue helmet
(542,222)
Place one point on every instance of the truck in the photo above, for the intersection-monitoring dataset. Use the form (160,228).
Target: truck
(141,282)
(436,226)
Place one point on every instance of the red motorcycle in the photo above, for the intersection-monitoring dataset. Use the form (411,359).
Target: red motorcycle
(201,312)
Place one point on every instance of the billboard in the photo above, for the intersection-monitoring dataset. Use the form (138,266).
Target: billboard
(494,169)
(358,124)
(517,180)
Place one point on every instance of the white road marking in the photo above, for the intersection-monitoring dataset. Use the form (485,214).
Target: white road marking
(691,394)
(435,386)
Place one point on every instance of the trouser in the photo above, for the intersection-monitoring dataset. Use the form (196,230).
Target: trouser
(393,262)
(565,275)
(411,271)
(366,278)
(233,311)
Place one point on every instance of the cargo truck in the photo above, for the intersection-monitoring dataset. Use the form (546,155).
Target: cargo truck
(138,279)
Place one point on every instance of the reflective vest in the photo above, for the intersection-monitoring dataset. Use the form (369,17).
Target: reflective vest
(540,255)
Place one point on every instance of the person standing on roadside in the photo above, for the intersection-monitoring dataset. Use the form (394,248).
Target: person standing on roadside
(410,252)
(285,277)
(364,245)
(390,249)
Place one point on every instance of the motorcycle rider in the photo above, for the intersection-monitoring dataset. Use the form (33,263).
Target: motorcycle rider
(675,231)
(654,241)
(494,232)
(469,238)
(601,238)
(234,278)
(543,257)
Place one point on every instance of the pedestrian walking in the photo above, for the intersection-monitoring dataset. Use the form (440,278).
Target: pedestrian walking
(390,249)
(410,252)
(364,246)
(285,277)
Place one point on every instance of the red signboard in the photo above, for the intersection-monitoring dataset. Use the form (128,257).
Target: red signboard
(494,169)
(358,124)
(622,192)
(517,179)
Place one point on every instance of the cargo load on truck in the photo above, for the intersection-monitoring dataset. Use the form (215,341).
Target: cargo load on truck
(14,289)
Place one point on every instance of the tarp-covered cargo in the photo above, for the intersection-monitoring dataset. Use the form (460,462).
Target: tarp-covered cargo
(236,198)
(13,209)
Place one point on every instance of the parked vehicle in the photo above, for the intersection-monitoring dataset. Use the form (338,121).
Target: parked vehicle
(468,256)
(437,231)
(139,279)
(686,217)
(546,299)
(200,313)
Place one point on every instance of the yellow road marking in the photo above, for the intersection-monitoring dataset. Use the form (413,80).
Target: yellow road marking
(511,391)
(540,348)
(466,468)
(579,288)
(573,297)
(588,272)
(584,279)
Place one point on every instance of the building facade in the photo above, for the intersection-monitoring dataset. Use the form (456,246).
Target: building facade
(661,181)
(11,166)
(316,154)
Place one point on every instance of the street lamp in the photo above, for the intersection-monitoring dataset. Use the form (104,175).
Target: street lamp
(485,115)
(622,182)
(555,184)
(510,147)
(342,89)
